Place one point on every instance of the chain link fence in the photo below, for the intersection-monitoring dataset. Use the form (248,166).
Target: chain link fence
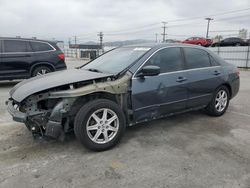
(239,56)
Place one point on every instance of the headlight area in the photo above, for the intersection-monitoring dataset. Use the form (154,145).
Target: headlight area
(47,117)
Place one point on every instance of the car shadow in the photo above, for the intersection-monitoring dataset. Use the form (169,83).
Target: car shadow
(9,83)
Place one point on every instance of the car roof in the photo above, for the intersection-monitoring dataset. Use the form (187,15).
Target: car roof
(26,39)
(162,45)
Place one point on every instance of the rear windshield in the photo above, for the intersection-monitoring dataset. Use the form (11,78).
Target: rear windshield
(116,60)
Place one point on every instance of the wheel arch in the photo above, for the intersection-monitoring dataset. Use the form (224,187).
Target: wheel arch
(229,89)
(81,100)
(41,64)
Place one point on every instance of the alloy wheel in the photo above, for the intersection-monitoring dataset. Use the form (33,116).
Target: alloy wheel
(42,72)
(102,126)
(221,100)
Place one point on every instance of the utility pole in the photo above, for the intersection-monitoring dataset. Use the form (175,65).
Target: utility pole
(208,22)
(164,31)
(75,46)
(156,37)
(101,40)
(69,42)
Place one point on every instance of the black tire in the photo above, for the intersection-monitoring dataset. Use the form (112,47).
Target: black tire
(237,44)
(211,108)
(82,117)
(40,69)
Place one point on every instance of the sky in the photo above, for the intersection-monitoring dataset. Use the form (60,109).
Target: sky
(121,19)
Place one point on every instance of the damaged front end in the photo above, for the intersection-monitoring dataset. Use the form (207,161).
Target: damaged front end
(41,115)
(51,113)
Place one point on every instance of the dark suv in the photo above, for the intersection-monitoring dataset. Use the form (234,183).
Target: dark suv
(23,58)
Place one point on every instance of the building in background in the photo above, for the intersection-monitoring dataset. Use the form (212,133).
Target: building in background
(86,51)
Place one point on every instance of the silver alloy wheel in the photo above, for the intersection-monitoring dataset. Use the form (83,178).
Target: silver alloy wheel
(102,125)
(221,100)
(42,72)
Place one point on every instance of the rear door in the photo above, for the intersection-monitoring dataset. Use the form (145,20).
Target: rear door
(203,76)
(15,58)
(154,96)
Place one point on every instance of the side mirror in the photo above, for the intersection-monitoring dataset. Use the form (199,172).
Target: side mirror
(149,70)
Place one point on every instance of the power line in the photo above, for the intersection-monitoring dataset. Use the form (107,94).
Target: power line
(211,15)
(135,28)
(131,32)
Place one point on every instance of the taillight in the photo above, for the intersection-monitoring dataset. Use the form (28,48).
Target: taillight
(61,56)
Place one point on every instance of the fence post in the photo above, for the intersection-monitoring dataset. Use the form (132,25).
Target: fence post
(248,49)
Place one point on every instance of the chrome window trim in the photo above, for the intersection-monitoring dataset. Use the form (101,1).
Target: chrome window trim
(53,49)
(184,70)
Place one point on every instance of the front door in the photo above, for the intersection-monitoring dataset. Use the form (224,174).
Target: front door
(15,58)
(155,96)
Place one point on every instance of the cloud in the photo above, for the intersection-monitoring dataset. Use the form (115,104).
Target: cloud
(62,19)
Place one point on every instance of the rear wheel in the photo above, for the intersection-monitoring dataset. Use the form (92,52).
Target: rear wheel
(219,102)
(99,124)
(41,70)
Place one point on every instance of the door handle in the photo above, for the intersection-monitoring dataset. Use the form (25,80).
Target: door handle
(216,73)
(181,79)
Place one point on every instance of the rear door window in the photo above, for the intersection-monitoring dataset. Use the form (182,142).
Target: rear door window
(196,58)
(213,62)
(40,46)
(12,46)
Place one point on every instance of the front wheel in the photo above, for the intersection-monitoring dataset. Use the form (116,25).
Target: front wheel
(99,124)
(219,102)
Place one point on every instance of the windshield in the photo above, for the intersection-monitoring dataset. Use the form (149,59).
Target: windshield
(116,60)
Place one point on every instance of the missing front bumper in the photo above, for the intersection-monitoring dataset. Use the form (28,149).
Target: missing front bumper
(15,113)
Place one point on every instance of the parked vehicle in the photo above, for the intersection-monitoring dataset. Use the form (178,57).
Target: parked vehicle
(232,41)
(25,58)
(123,87)
(198,41)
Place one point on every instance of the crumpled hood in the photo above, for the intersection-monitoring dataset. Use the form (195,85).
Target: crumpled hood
(52,80)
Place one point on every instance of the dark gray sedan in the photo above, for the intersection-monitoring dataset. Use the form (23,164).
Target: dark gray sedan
(123,87)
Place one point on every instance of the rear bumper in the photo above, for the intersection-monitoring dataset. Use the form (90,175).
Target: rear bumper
(235,87)
(15,113)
